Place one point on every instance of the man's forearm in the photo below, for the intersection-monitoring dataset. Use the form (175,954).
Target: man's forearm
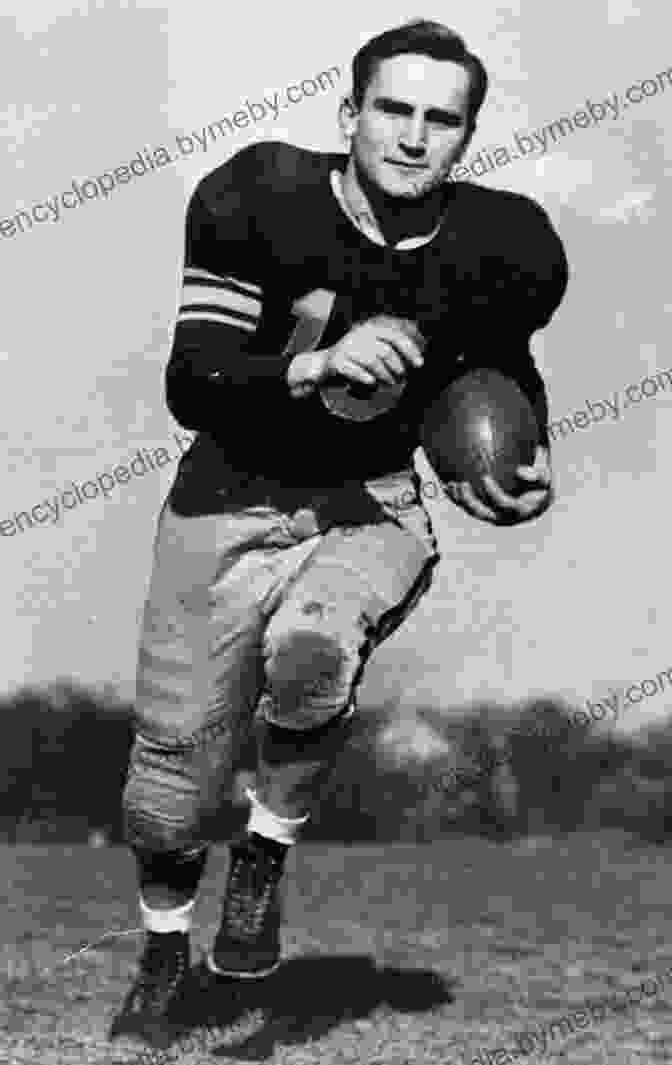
(532,385)
(210,372)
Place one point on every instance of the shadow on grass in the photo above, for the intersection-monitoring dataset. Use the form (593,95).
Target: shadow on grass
(303,1000)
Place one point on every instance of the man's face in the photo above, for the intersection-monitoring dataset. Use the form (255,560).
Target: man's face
(412,126)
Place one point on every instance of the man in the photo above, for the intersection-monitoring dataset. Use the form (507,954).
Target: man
(327,299)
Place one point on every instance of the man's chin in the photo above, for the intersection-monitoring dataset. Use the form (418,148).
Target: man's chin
(413,192)
(413,187)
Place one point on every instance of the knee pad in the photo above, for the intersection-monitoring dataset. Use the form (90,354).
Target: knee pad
(302,661)
(309,678)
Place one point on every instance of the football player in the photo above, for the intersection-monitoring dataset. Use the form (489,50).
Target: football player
(327,298)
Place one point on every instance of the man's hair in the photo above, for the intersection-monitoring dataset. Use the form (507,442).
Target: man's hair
(419,37)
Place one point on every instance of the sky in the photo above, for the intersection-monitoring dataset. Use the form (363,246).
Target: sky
(574,605)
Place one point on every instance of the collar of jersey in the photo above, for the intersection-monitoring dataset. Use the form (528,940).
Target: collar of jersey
(360,215)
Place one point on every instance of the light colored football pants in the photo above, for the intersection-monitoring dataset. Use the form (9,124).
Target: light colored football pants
(266,609)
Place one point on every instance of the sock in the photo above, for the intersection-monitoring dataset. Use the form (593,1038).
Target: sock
(265,823)
(175,920)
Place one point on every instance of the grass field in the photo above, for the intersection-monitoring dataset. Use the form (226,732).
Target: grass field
(400,953)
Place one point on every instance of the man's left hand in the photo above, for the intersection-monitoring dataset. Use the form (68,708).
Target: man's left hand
(507,509)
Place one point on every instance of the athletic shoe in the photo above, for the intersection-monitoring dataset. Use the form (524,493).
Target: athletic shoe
(247,946)
(154,1007)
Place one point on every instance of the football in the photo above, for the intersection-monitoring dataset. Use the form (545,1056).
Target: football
(482,423)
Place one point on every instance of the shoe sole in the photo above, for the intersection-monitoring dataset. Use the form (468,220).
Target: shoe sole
(237,974)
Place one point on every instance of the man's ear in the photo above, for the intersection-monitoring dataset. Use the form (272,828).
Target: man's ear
(347,117)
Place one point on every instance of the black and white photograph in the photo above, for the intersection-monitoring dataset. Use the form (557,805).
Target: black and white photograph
(336,690)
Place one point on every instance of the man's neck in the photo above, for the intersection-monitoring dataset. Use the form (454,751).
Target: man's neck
(396,218)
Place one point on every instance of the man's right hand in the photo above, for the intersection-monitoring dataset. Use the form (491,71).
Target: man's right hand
(377,351)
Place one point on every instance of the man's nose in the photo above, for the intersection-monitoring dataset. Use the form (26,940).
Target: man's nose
(412,140)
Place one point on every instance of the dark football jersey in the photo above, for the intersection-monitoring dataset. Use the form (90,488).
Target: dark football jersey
(275,263)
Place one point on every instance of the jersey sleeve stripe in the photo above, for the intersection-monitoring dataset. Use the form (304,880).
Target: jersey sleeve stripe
(215,308)
(194,275)
(200,312)
(222,298)
(214,298)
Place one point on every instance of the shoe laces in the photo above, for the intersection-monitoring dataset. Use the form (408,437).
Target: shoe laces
(252,883)
(162,967)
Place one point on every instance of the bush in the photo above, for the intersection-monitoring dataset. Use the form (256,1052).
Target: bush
(64,761)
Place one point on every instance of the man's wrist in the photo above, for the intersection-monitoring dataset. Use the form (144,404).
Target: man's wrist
(307,370)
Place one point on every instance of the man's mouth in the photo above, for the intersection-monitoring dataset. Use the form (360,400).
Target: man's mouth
(411,167)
